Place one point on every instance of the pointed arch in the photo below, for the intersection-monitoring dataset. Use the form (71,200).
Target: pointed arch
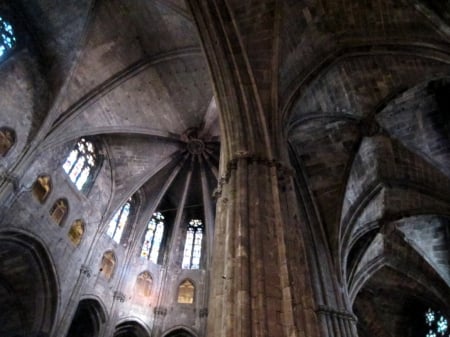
(144,284)
(42,188)
(108,264)
(186,292)
(88,319)
(28,286)
(119,221)
(193,244)
(76,232)
(59,211)
(179,331)
(153,237)
(131,328)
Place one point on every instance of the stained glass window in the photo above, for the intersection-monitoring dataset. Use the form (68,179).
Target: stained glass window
(118,222)
(153,237)
(7,37)
(193,245)
(81,163)
(437,324)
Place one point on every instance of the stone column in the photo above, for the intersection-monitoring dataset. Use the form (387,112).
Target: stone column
(259,285)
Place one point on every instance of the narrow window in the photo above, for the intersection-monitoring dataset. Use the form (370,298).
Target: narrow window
(437,324)
(153,237)
(59,211)
(81,164)
(186,292)
(108,265)
(76,232)
(144,283)
(7,140)
(42,188)
(119,221)
(193,245)
(7,37)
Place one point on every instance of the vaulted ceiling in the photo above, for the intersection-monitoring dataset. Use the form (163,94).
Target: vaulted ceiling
(363,91)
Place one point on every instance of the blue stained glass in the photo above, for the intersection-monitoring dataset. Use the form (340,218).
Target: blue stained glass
(8,39)
(437,323)
(442,325)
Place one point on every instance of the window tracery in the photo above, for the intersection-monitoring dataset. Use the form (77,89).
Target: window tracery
(59,211)
(118,222)
(186,292)
(153,237)
(193,245)
(144,283)
(437,324)
(82,163)
(7,37)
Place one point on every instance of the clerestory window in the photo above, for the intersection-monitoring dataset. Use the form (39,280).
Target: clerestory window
(82,164)
(119,222)
(193,245)
(7,37)
(153,237)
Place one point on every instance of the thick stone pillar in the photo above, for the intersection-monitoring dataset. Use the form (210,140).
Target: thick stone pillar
(259,279)
(263,263)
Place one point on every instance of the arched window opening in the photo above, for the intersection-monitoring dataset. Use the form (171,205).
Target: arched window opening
(118,222)
(81,164)
(108,265)
(179,333)
(7,37)
(193,245)
(437,324)
(186,292)
(42,188)
(7,140)
(153,237)
(76,232)
(88,319)
(59,211)
(144,283)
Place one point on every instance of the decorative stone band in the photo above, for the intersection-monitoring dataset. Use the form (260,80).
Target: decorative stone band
(119,296)
(282,170)
(85,270)
(325,310)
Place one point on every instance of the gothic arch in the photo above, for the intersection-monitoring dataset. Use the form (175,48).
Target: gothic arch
(179,331)
(28,286)
(186,291)
(131,328)
(88,319)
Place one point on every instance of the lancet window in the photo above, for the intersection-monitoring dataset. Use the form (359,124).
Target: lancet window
(153,237)
(193,245)
(119,221)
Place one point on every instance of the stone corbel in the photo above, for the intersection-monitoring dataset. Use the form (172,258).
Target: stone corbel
(119,296)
